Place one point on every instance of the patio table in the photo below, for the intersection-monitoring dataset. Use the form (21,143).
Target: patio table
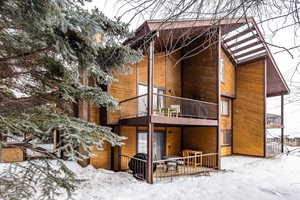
(172,162)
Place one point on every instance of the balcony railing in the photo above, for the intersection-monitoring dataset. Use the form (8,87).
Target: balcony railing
(170,106)
(170,167)
(273,122)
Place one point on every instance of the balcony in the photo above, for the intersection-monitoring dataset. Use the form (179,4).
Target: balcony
(274,121)
(168,110)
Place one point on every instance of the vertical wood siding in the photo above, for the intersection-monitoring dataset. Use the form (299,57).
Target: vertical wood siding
(199,74)
(228,86)
(200,138)
(248,109)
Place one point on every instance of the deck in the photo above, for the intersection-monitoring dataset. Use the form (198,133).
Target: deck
(161,171)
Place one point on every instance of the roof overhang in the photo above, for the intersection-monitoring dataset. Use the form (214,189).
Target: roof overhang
(242,41)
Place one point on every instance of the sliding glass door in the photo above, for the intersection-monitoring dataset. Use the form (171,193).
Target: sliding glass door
(158,144)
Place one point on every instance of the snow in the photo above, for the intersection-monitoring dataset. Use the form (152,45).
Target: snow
(243,178)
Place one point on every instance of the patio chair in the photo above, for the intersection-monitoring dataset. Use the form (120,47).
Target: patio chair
(174,110)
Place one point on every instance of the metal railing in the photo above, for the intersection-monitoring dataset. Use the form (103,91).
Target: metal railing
(170,167)
(170,106)
(273,147)
(273,121)
(135,166)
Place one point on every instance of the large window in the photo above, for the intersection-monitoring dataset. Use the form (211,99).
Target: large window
(225,106)
(158,100)
(222,70)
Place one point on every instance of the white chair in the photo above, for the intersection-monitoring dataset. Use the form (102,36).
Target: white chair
(174,110)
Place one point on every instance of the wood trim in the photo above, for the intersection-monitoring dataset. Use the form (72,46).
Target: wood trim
(276,94)
(183,121)
(265,108)
(282,124)
(167,121)
(227,53)
(228,95)
(218,148)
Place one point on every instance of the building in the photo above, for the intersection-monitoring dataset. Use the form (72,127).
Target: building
(206,99)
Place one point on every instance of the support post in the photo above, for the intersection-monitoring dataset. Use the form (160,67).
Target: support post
(282,124)
(150,111)
(219,101)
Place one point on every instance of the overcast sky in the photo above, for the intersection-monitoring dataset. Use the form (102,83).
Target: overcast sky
(285,62)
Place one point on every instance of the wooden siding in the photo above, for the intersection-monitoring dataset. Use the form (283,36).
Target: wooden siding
(167,75)
(226,124)
(226,151)
(249,110)
(102,157)
(173,74)
(200,138)
(173,141)
(130,144)
(122,89)
(228,86)
(199,74)
(159,70)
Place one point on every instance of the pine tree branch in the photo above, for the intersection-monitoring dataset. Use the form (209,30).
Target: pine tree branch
(32,53)
(27,102)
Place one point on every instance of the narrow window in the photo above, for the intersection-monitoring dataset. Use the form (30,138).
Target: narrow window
(225,107)
(222,70)
(226,137)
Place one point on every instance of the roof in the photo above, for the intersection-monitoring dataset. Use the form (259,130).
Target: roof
(269,115)
(241,40)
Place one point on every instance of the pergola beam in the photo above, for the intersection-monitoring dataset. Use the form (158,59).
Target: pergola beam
(249,52)
(243,41)
(246,47)
(240,34)
(252,58)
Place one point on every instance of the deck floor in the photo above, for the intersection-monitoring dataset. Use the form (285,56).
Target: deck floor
(162,172)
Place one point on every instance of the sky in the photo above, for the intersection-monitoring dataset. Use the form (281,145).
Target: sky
(285,62)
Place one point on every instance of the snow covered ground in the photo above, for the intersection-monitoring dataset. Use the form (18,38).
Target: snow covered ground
(243,178)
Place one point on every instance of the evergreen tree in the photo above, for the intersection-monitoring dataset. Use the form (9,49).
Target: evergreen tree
(44,47)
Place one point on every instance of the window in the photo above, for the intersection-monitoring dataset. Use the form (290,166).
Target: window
(222,70)
(226,137)
(224,107)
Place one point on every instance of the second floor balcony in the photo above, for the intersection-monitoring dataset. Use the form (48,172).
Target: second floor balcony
(168,109)
(273,121)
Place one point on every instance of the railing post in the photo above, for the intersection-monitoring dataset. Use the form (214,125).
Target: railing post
(282,123)
(150,111)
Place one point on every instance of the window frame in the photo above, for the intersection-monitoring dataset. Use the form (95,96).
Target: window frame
(222,107)
(226,135)
(222,69)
